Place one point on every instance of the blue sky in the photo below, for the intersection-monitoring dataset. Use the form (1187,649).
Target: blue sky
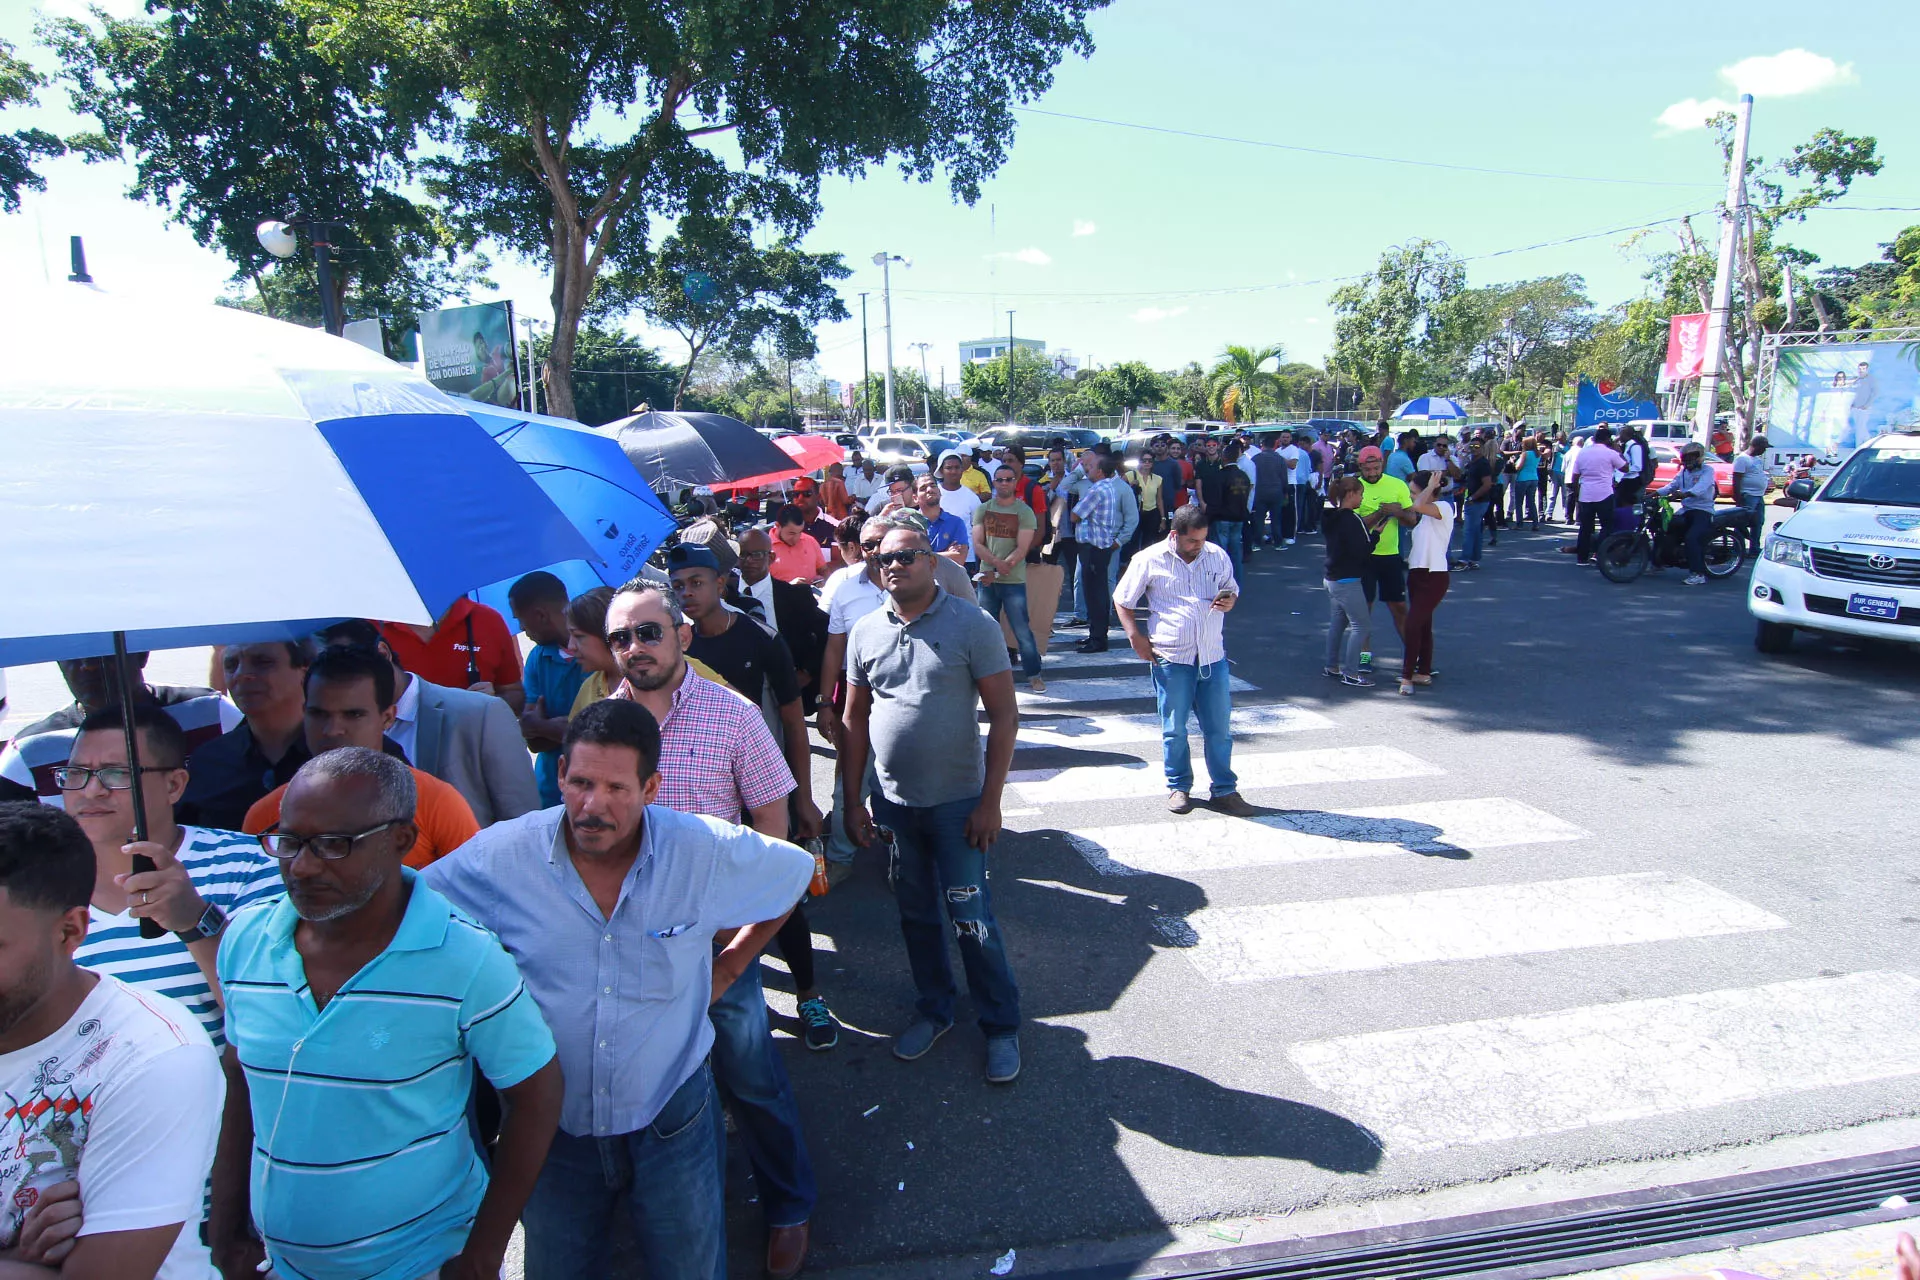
(1121,243)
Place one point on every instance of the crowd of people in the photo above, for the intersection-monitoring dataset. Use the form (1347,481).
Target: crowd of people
(426,938)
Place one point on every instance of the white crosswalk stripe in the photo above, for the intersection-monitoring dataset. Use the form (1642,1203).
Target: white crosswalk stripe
(1068,659)
(1222,844)
(1103,689)
(1297,939)
(1094,732)
(1269,769)
(1425,1088)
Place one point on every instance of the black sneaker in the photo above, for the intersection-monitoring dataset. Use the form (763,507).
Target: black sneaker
(822,1031)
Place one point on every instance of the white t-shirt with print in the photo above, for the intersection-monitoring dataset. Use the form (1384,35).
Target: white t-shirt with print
(127,1096)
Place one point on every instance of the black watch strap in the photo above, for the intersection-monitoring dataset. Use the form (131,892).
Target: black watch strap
(211,922)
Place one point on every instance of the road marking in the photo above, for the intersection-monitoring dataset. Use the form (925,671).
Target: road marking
(1103,731)
(1118,656)
(1105,689)
(1425,1088)
(1343,935)
(1271,769)
(1221,844)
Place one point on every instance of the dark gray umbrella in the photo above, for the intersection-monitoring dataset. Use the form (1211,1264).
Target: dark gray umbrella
(670,449)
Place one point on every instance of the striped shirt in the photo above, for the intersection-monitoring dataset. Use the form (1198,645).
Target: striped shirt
(374,1087)
(716,755)
(1185,627)
(230,871)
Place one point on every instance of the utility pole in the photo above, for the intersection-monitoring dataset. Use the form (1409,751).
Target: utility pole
(885,261)
(533,379)
(866,374)
(926,388)
(1009,368)
(79,253)
(1732,215)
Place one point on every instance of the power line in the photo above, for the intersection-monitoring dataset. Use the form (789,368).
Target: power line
(1361,155)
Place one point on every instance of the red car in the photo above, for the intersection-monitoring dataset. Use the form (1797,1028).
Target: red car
(1666,466)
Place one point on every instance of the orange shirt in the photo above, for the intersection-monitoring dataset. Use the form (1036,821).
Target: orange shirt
(834,497)
(801,561)
(443,816)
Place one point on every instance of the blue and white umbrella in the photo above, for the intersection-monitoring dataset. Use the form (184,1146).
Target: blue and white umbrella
(588,476)
(195,475)
(1431,409)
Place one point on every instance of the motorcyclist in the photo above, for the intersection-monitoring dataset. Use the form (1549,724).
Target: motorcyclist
(1695,487)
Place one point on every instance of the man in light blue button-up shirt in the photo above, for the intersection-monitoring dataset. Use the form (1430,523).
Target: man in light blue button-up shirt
(610,906)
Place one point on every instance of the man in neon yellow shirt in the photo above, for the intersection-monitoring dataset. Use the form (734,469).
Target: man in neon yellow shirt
(1385,505)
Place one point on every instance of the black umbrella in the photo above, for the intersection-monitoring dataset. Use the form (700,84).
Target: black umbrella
(670,449)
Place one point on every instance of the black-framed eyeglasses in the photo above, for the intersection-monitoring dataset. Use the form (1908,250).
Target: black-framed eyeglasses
(328,847)
(755,555)
(647,633)
(871,547)
(887,559)
(114,777)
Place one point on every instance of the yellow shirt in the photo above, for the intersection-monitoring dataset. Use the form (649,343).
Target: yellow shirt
(1147,484)
(974,480)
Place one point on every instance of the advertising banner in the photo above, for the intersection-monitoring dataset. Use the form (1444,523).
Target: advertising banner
(1595,408)
(469,352)
(1686,346)
(1830,399)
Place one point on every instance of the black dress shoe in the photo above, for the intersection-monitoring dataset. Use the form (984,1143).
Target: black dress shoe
(1091,646)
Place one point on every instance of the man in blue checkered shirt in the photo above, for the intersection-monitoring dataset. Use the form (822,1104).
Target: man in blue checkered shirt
(1097,520)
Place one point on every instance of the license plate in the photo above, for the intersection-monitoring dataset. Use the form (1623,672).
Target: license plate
(1874,607)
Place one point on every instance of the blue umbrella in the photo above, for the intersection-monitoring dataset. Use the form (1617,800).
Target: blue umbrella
(589,478)
(1431,409)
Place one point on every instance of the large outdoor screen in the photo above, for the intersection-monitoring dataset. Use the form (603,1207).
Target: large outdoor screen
(1830,399)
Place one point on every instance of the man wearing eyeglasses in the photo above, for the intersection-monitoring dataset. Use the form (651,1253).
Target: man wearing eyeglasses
(350,703)
(360,1006)
(917,673)
(200,876)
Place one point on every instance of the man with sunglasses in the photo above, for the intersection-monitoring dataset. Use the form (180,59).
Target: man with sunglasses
(917,673)
(718,758)
(200,876)
(359,1007)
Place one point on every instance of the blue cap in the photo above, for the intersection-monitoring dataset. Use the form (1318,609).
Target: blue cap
(692,556)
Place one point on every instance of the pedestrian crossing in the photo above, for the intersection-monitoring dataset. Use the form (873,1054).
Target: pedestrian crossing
(1519,1073)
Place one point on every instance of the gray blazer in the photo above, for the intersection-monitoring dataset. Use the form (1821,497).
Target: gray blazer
(472,742)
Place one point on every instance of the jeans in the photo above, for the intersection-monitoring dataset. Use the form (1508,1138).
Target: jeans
(1526,500)
(1227,534)
(1306,508)
(1093,577)
(669,1173)
(1473,531)
(1425,588)
(1181,689)
(747,1065)
(839,846)
(1755,505)
(939,880)
(1269,515)
(1012,596)
(1349,631)
(1696,527)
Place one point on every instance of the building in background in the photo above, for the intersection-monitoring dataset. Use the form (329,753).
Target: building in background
(975,350)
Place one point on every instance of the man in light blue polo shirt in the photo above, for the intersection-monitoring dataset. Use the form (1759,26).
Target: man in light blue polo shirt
(357,1009)
(610,905)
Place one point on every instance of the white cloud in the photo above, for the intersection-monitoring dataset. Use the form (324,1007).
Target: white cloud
(1785,74)
(1153,315)
(1692,113)
(1081,227)
(1033,257)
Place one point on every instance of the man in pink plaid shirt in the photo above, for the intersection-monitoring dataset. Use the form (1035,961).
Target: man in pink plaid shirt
(718,758)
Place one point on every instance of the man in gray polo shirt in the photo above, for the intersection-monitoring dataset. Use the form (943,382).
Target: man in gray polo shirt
(917,671)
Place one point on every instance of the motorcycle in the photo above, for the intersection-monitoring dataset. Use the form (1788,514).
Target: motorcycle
(1656,542)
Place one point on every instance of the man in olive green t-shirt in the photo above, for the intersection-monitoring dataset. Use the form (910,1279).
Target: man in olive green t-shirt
(1003,529)
(1385,504)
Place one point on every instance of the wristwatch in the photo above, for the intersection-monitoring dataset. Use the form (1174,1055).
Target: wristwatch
(211,922)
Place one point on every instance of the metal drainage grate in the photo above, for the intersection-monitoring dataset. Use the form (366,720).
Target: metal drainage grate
(1542,1240)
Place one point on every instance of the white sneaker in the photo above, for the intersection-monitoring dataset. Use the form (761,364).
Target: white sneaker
(1694,580)
(1037,684)
(1291,541)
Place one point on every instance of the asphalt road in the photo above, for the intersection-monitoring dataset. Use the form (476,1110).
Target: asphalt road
(1614,887)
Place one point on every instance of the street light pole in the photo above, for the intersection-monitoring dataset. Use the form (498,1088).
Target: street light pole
(866,374)
(533,383)
(1713,358)
(885,261)
(1009,368)
(926,388)
(277,239)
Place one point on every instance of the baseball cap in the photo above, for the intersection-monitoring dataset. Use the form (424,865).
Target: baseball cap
(686,556)
(1371,454)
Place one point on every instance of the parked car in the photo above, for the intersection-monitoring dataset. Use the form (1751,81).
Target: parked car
(1037,439)
(1666,465)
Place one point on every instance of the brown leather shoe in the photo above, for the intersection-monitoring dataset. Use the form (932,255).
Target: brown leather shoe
(1233,804)
(786,1251)
(1179,802)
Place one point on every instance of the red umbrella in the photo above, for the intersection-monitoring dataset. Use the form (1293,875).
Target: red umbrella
(809,453)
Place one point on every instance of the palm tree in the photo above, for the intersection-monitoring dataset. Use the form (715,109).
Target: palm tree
(1240,381)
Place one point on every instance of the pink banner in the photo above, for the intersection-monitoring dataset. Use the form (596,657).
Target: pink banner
(1686,346)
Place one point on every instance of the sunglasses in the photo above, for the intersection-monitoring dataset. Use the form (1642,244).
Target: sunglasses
(887,559)
(871,547)
(647,633)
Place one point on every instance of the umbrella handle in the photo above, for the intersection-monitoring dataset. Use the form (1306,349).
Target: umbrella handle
(149,928)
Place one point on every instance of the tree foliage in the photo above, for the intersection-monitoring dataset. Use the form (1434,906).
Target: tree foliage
(983,384)
(19,86)
(1124,388)
(1385,330)
(1240,385)
(615,374)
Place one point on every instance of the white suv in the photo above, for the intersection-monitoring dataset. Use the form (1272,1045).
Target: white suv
(1848,561)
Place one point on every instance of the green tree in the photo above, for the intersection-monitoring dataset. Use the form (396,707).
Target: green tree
(232,116)
(615,374)
(983,384)
(1240,383)
(19,84)
(1533,332)
(1125,387)
(570,132)
(1188,393)
(1386,326)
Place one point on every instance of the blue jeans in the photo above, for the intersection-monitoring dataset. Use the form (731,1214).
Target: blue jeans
(839,846)
(1755,505)
(1012,596)
(1227,534)
(1185,688)
(936,870)
(747,1065)
(1349,625)
(669,1173)
(1473,531)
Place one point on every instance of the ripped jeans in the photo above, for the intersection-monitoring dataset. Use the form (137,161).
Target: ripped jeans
(940,882)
